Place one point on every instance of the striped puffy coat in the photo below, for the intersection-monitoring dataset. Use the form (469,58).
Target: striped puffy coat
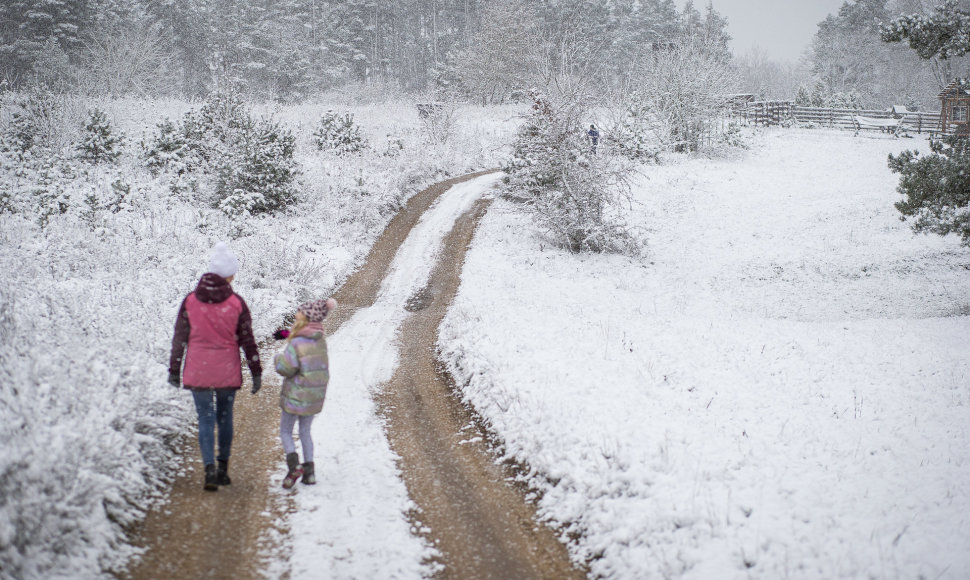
(306,371)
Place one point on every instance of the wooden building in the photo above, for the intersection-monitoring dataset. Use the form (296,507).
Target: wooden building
(955,108)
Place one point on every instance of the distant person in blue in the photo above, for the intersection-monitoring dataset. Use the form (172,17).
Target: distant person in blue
(594,137)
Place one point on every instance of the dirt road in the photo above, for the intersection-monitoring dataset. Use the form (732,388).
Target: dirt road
(483,527)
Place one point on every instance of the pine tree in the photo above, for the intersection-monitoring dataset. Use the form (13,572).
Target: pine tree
(27,25)
(944,34)
(98,143)
(937,186)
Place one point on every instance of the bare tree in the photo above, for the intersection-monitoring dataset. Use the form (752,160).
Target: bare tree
(769,79)
(570,66)
(500,56)
(679,91)
(123,60)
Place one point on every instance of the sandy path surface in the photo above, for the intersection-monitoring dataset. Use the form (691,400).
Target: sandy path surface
(483,527)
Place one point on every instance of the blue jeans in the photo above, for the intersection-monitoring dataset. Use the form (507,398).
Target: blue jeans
(209,416)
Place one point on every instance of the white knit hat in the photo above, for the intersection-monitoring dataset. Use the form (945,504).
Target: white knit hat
(222,261)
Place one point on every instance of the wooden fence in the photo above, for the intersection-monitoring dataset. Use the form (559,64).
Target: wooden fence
(779,112)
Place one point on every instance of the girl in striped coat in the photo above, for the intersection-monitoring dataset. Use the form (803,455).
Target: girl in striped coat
(306,372)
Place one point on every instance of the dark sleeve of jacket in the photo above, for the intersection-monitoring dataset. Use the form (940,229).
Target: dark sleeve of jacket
(180,341)
(245,338)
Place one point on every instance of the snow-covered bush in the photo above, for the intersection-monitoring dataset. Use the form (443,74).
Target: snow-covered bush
(846,100)
(31,122)
(339,134)
(572,192)
(245,164)
(439,122)
(170,149)
(633,136)
(732,136)
(394,146)
(88,432)
(38,120)
(820,96)
(98,141)
(261,168)
(678,93)
(937,187)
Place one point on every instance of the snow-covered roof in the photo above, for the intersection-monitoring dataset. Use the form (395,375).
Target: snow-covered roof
(956,88)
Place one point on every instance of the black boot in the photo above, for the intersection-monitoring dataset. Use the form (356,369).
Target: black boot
(210,478)
(222,472)
(294,470)
(309,478)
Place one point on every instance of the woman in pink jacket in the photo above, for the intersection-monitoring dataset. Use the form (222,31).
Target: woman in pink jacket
(213,323)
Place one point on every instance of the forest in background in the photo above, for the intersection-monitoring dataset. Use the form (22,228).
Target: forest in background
(491,51)
(289,49)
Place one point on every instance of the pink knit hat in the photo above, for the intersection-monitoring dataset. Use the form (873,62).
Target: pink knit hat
(317,310)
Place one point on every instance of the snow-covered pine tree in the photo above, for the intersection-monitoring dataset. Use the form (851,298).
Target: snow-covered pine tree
(573,193)
(98,141)
(338,133)
(260,171)
(26,26)
(943,34)
(936,186)
(251,160)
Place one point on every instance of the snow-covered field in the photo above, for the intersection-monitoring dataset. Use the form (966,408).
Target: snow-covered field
(88,298)
(780,388)
(774,390)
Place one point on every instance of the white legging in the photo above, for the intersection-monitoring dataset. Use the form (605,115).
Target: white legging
(287,421)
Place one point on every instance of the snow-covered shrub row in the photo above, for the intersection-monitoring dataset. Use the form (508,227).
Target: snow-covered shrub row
(96,259)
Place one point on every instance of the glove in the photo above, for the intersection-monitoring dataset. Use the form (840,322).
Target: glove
(174,380)
(281,334)
(257,384)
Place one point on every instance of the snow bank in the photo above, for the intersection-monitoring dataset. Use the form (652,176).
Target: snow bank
(89,298)
(777,390)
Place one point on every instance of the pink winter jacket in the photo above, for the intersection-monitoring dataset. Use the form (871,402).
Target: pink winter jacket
(212,324)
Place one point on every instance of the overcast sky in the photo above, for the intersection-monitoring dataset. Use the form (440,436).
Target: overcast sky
(781,27)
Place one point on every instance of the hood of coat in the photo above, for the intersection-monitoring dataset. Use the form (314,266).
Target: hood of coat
(312,330)
(213,289)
